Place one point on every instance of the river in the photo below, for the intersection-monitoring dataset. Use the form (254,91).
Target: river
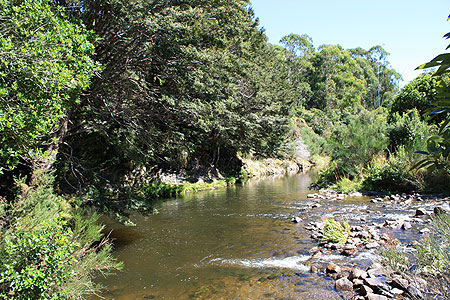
(233,243)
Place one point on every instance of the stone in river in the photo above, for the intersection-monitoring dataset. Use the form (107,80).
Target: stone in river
(344,284)
(372,296)
(333,269)
(406,226)
(420,212)
(296,220)
(357,274)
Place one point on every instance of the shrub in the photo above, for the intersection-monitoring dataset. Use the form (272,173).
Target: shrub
(408,130)
(48,251)
(392,174)
(36,264)
(354,144)
(345,185)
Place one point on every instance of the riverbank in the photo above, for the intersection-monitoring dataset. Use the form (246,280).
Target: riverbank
(350,235)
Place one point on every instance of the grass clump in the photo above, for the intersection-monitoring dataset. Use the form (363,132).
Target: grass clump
(335,232)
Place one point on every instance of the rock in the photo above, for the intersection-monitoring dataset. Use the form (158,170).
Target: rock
(420,212)
(395,198)
(439,210)
(313,269)
(376,269)
(372,245)
(358,282)
(375,283)
(296,220)
(314,250)
(364,235)
(357,228)
(336,246)
(364,290)
(424,231)
(344,284)
(333,269)
(391,224)
(421,284)
(310,196)
(357,274)
(406,226)
(414,292)
(349,250)
(355,194)
(316,205)
(358,298)
(372,296)
(400,282)
(396,291)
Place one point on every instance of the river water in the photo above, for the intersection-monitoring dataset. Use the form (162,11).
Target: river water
(233,243)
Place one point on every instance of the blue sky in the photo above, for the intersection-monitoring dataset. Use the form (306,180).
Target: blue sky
(411,31)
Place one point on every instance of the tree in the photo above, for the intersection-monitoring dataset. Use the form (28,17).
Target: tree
(45,64)
(337,80)
(300,49)
(182,83)
(419,93)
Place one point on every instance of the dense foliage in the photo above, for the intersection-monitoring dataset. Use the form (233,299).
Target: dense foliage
(45,63)
(191,83)
(47,250)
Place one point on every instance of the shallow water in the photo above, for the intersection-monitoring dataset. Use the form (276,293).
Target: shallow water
(234,243)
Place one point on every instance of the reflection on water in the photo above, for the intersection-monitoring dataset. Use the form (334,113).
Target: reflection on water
(233,243)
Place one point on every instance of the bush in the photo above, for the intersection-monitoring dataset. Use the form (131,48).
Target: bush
(408,130)
(49,251)
(345,185)
(392,174)
(36,264)
(354,144)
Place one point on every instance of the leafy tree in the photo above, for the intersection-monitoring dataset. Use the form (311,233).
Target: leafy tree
(45,64)
(336,81)
(184,83)
(381,80)
(419,94)
(300,50)
(438,149)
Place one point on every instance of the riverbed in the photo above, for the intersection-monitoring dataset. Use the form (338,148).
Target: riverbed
(238,243)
